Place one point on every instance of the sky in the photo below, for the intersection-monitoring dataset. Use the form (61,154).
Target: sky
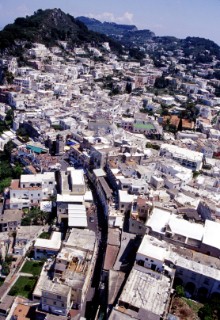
(180,18)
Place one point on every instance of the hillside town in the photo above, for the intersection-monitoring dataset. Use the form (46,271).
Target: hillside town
(112,208)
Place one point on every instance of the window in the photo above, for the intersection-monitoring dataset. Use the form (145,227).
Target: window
(62,304)
(54,303)
(59,297)
(140,263)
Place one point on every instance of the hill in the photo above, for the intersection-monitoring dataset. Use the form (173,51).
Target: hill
(47,27)
(108,28)
(127,34)
(201,49)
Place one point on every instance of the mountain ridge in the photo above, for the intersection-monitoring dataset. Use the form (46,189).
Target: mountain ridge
(47,27)
(130,36)
(123,32)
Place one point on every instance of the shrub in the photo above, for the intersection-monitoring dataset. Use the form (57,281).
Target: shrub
(180,291)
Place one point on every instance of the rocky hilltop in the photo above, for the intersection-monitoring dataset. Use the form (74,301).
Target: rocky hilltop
(47,27)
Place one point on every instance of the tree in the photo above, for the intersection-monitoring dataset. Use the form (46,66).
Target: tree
(136,54)
(26,221)
(9,117)
(38,216)
(8,147)
(180,125)
(128,87)
(196,174)
(180,291)
(5,268)
(22,132)
(9,77)
(35,217)
(14,291)
(17,171)
(4,184)
(161,83)
(27,287)
(6,264)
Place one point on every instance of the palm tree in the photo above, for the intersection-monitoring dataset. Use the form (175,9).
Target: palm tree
(38,216)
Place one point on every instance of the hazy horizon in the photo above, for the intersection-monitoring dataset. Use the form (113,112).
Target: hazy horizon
(178,18)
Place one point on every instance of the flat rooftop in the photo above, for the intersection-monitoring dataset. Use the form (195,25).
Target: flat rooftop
(56,288)
(70,198)
(125,197)
(54,243)
(148,291)
(77,176)
(211,235)
(185,258)
(182,152)
(82,239)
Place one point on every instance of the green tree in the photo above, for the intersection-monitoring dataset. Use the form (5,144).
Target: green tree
(8,147)
(206,312)
(38,216)
(35,216)
(4,184)
(26,221)
(27,287)
(9,77)
(180,291)
(9,117)
(5,268)
(17,171)
(14,291)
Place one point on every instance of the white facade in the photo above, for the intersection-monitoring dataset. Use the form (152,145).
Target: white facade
(31,190)
(186,157)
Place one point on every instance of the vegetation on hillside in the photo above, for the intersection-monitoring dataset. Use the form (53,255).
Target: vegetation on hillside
(7,171)
(47,27)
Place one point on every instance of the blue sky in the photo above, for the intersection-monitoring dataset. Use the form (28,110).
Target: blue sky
(180,18)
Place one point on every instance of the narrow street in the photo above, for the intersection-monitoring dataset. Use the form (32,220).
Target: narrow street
(93,306)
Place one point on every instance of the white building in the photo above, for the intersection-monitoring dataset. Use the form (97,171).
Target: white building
(44,248)
(186,157)
(31,189)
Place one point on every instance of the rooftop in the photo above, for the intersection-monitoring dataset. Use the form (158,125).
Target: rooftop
(183,152)
(77,215)
(82,239)
(56,288)
(148,291)
(211,234)
(125,197)
(183,257)
(54,243)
